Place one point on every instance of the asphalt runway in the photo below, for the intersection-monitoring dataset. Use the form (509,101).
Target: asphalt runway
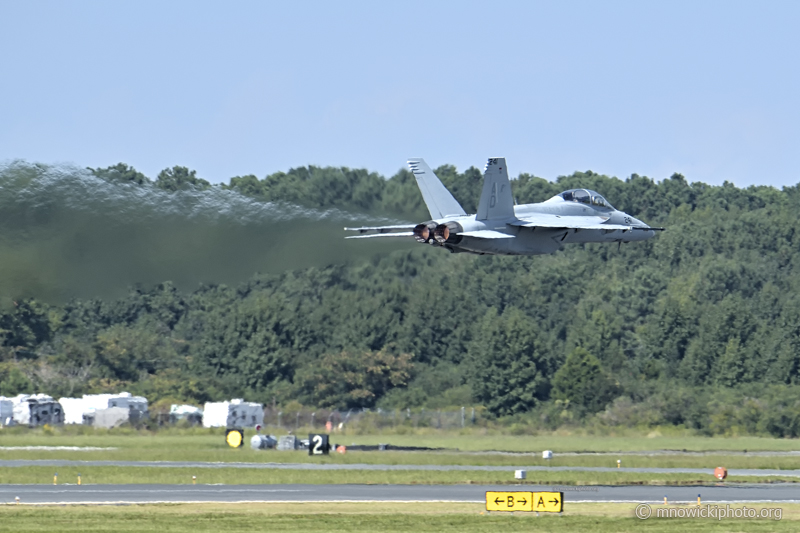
(11,463)
(133,494)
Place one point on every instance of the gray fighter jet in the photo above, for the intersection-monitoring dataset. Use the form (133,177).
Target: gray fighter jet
(502,228)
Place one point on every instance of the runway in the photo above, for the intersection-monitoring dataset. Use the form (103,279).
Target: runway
(12,463)
(137,494)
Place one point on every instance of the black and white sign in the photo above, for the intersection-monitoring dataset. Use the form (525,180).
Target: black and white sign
(318,444)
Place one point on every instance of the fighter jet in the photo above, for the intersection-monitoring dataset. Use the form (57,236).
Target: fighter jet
(502,228)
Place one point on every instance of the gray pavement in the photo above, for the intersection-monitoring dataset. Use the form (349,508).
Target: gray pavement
(12,463)
(130,494)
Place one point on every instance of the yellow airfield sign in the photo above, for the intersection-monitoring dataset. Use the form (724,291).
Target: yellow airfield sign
(548,502)
(544,502)
(509,501)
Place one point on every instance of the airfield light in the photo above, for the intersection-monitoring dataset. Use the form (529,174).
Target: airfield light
(234,437)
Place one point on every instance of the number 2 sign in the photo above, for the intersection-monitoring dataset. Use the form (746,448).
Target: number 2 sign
(318,444)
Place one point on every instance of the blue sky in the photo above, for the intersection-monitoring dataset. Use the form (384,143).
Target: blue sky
(709,89)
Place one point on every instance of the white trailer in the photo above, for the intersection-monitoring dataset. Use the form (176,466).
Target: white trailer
(78,410)
(36,410)
(73,410)
(6,411)
(236,413)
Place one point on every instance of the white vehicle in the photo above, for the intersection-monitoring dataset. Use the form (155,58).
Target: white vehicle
(36,410)
(80,410)
(234,414)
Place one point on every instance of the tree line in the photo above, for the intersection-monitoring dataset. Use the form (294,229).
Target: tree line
(698,327)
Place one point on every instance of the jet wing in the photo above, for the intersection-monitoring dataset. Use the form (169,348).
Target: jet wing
(545,220)
(381,230)
(401,234)
(486,234)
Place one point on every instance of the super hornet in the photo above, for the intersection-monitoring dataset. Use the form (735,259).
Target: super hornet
(502,228)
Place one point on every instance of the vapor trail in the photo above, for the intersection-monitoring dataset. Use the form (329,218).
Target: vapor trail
(65,233)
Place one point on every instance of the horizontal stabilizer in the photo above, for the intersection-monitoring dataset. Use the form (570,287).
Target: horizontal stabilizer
(404,234)
(382,229)
(486,234)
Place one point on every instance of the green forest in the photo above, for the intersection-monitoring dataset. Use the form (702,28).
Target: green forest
(696,328)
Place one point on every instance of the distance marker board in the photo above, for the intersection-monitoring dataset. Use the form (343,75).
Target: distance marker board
(318,444)
(542,502)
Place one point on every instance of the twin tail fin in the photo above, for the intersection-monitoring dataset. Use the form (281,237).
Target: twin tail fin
(496,201)
(438,199)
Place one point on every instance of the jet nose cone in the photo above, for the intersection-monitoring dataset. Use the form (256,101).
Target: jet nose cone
(645,233)
(648,233)
(642,234)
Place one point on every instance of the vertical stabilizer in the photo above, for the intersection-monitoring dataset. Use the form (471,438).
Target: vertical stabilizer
(438,199)
(496,200)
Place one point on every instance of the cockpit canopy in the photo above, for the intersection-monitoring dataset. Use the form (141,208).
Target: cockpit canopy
(585,196)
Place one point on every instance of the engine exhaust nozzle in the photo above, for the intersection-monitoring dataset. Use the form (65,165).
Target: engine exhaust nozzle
(441,233)
(422,233)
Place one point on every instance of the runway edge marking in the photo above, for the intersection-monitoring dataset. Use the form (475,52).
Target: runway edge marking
(155,502)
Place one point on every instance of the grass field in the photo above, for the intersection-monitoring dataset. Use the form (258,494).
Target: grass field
(206,440)
(229,518)
(209,445)
(254,476)
(205,445)
(416,458)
